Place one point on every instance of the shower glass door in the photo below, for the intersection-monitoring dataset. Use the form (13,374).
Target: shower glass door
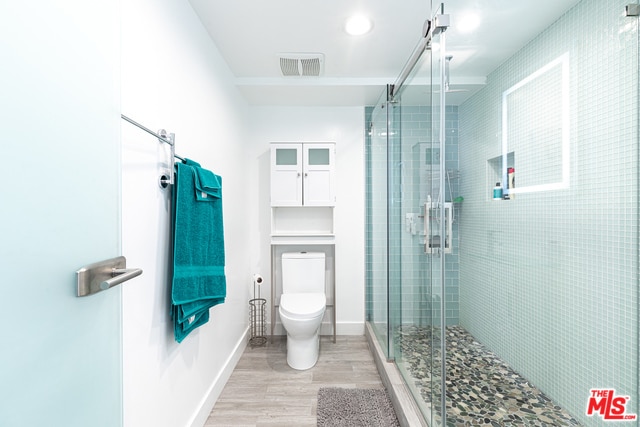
(376,224)
(419,232)
(409,224)
(437,220)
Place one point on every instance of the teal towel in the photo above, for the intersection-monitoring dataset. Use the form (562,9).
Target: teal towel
(199,281)
(208,186)
(182,329)
(186,310)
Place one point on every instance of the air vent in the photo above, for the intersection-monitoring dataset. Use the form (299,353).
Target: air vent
(301,64)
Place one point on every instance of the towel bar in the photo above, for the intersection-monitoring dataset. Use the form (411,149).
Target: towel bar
(103,275)
(165,180)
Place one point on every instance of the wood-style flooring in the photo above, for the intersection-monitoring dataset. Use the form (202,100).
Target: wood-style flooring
(264,391)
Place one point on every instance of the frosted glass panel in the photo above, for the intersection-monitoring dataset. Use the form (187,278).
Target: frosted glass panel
(61,356)
(286,156)
(318,156)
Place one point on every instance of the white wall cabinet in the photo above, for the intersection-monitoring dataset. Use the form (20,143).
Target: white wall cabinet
(302,204)
(303,174)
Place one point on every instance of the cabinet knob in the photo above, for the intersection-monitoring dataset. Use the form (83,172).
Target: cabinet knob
(298,173)
(306,174)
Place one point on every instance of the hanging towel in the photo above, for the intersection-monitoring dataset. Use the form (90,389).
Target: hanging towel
(182,329)
(208,186)
(199,281)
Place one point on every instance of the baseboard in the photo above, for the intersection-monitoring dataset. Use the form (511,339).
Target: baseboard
(349,328)
(207,402)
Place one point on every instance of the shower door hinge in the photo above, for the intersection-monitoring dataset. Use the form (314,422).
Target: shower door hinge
(632,9)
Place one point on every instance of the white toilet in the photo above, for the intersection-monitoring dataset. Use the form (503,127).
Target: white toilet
(302,306)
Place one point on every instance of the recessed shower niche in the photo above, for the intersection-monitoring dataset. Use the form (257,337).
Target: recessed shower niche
(495,173)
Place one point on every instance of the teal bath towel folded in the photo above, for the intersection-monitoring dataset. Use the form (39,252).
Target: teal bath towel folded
(208,187)
(199,281)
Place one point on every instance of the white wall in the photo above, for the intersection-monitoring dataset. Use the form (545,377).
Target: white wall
(174,78)
(345,126)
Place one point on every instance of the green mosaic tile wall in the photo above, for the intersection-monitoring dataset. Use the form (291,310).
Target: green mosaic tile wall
(549,280)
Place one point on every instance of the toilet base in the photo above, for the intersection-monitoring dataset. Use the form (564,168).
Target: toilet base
(303,354)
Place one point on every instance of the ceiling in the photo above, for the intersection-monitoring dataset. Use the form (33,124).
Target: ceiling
(250,34)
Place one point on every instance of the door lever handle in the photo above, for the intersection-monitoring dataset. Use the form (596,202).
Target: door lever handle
(100,276)
(119,275)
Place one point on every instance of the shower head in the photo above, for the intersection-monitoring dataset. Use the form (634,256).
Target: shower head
(448,59)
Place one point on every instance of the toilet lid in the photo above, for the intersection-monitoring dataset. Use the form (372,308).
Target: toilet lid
(302,305)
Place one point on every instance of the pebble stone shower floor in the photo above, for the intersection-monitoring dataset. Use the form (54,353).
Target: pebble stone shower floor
(481,388)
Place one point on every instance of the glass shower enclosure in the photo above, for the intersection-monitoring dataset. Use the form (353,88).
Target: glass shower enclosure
(521,305)
(410,213)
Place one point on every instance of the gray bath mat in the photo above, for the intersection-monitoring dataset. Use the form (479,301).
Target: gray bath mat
(355,407)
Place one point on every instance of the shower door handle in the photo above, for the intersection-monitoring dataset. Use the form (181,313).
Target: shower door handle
(425,217)
(440,242)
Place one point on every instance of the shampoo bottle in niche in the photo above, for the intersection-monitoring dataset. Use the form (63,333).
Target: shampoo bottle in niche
(511,181)
(497,192)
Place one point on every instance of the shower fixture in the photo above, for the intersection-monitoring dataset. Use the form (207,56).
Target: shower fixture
(447,76)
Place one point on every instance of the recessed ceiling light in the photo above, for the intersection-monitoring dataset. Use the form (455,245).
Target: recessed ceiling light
(358,25)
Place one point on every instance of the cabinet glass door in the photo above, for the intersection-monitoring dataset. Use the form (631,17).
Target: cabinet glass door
(318,175)
(319,156)
(286,175)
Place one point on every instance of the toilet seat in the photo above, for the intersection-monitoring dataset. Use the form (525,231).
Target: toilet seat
(302,305)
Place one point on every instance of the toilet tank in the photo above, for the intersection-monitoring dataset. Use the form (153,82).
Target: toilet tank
(303,272)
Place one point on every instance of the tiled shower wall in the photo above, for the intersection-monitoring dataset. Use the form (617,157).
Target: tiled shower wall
(419,273)
(549,280)
(411,298)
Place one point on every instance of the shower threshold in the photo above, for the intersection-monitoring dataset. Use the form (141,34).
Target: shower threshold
(481,388)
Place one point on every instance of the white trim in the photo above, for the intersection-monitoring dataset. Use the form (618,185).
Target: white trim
(200,417)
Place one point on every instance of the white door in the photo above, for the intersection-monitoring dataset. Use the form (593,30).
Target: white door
(318,174)
(60,358)
(286,175)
